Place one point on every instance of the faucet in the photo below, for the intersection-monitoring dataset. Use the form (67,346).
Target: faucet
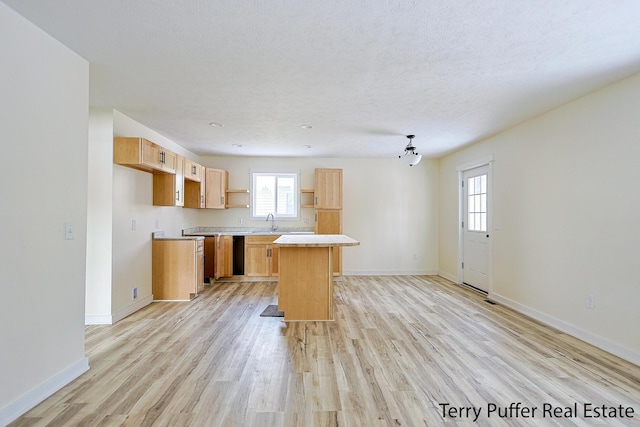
(273,223)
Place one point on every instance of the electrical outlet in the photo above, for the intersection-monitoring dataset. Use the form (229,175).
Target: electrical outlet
(306,221)
(589,301)
(240,221)
(415,257)
(134,293)
(68,231)
(133,225)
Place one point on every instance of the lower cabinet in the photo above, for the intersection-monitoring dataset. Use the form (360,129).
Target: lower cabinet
(261,258)
(223,257)
(177,269)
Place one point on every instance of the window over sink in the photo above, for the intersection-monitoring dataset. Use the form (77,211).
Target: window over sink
(275,192)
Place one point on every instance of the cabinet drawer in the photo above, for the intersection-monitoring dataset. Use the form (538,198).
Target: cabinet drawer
(259,240)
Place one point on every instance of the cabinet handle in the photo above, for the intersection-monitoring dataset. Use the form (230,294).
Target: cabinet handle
(315,200)
(316,217)
(178,195)
(268,253)
(222,200)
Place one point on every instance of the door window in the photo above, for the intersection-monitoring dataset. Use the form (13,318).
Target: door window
(477,203)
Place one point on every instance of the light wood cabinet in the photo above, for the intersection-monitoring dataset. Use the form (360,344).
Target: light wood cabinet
(224,257)
(194,194)
(177,269)
(329,221)
(192,170)
(261,257)
(216,188)
(328,208)
(168,189)
(142,154)
(328,189)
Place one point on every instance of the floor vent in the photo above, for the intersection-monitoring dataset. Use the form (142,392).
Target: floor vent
(490,302)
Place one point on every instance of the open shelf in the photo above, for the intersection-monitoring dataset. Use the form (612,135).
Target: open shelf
(303,199)
(236,205)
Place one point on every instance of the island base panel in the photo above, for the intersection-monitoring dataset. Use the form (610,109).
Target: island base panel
(305,285)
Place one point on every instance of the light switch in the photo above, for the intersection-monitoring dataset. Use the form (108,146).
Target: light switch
(133,225)
(68,231)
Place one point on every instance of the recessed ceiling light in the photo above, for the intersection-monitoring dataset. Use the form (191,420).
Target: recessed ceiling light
(215,125)
(237,145)
(306,126)
(307,146)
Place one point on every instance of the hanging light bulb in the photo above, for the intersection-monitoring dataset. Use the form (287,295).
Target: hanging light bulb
(411,156)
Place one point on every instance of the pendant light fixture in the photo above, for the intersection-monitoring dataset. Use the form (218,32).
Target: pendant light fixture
(411,156)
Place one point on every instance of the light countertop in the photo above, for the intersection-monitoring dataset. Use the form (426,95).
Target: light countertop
(315,240)
(159,235)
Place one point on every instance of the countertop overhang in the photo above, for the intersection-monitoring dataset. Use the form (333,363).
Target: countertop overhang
(159,235)
(315,240)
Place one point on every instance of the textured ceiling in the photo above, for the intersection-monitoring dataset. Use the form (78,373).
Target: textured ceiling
(363,74)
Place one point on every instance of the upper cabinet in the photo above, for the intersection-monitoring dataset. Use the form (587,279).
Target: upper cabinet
(192,170)
(216,188)
(140,153)
(194,191)
(168,189)
(328,189)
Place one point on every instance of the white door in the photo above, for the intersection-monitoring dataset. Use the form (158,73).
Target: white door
(475,231)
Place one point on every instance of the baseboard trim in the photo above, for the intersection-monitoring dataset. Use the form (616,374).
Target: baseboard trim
(32,398)
(391,273)
(448,277)
(586,336)
(130,309)
(98,319)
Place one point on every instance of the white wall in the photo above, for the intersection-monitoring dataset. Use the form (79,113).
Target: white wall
(565,195)
(99,217)
(132,200)
(43,130)
(389,207)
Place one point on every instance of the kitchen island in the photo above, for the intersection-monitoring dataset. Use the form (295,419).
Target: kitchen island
(305,285)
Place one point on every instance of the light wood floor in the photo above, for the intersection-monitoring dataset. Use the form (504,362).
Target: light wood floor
(400,346)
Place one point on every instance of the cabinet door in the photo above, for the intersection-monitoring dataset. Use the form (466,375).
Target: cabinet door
(256,260)
(200,265)
(151,155)
(215,188)
(179,181)
(169,161)
(275,260)
(224,256)
(328,188)
(192,170)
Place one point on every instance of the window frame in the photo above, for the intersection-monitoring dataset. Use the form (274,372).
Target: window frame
(283,173)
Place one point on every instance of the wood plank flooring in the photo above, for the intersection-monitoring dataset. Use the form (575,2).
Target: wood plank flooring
(400,348)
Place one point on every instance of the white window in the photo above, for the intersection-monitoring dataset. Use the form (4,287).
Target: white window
(275,193)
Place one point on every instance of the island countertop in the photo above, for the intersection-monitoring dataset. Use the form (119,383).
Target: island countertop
(315,240)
